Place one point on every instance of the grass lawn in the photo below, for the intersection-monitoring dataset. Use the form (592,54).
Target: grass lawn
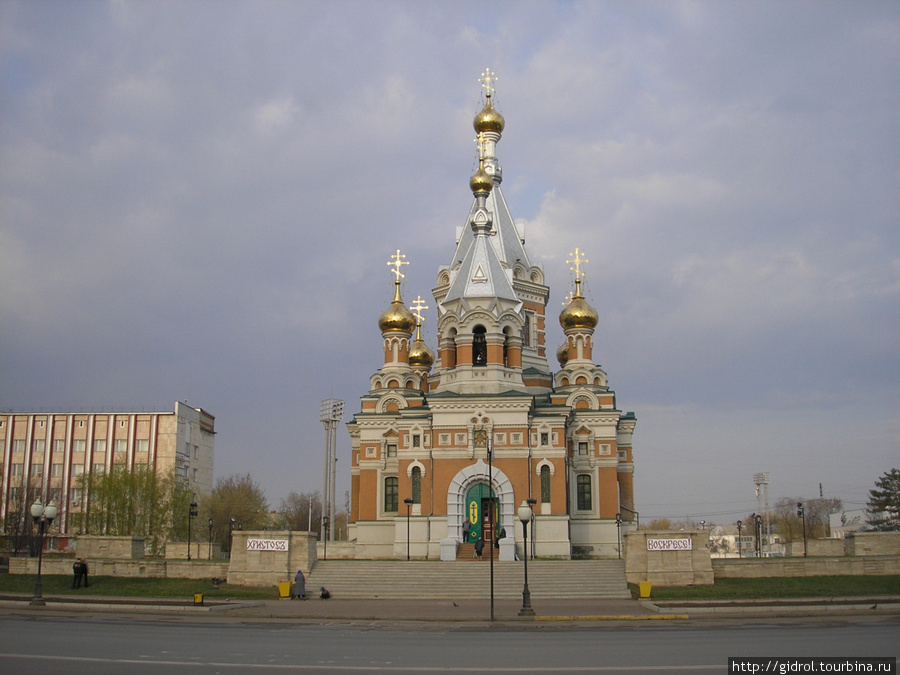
(779,587)
(131,587)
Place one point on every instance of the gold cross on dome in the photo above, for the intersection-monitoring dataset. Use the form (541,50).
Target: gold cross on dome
(479,145)
(487,79)
(567,299)
(417,307)
(396,262)
(577,260)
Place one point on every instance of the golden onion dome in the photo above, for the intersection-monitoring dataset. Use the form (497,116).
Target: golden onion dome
(396,317)
(562,354)
(481,180)
(489,119)
(578,314)
(420,355)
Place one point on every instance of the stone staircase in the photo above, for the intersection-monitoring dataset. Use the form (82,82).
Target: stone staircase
(468,579)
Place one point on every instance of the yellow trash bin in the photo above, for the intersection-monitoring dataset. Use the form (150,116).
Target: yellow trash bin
(645,587)
(284,589)
(198,598)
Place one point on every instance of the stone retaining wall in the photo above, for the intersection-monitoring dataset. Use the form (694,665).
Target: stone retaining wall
(872,543)
(149,567)
(686,567)
(729,568)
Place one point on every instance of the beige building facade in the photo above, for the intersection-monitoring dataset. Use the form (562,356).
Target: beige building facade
(45,455)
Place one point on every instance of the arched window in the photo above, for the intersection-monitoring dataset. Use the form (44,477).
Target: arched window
(545,484)
(417,485)
(584,492)
(390,494)
(479,347)
(506,347)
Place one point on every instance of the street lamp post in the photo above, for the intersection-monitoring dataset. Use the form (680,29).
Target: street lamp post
(758,519)
(524,513)
(619,534)
(325,537)
(408,501)
(209,524)
(192,513)
(740,526)
(44,515)
(802,513)
(231,526)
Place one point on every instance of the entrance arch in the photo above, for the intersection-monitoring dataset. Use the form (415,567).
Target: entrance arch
(477,511)
(459,487)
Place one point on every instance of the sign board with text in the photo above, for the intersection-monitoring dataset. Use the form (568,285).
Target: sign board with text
(267,545)
(669,544)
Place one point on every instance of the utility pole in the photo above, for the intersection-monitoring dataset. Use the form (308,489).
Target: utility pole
(331,411)
(763,479)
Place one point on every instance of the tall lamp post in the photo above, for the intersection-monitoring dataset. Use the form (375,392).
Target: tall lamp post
(192,513)
(325,536)
(209,524)
(802,513)
(408,501)
(758,535)
(44,515)
(740,526)
(524,513)
(619,534)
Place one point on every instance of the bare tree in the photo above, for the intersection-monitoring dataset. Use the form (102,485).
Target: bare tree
(235,501)
(300,511)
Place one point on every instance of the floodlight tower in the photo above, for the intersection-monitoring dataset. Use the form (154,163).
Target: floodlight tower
(763,479)
(331,411)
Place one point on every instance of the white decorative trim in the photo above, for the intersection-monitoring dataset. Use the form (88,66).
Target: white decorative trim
(412,464)
(545,462)
(384,401)
(460,484)
(588,395)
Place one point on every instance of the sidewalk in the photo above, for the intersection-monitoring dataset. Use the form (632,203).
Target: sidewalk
(433,612)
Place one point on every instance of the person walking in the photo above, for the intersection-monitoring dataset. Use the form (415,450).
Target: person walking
(84,571)
(479,547)
(466,527)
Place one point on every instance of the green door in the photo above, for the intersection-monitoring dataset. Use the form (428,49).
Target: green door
(478,500)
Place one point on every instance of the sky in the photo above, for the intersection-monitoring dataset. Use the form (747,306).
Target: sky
(198,200)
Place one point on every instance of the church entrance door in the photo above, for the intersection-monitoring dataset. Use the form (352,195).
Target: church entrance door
(479,498)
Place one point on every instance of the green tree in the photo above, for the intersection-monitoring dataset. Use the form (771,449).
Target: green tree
(884,502)
(137,502)
(238,500)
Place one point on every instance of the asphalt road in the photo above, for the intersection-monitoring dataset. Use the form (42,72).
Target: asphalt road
(155,646)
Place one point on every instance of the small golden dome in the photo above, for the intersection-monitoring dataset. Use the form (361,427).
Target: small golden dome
(396,317)
(562,354)
(489,119)
(481,180)
(420,355)
(578,314)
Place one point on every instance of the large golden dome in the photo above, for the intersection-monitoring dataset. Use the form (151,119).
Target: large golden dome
(489,119)
(562,354)
(396,317)
(578,314)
